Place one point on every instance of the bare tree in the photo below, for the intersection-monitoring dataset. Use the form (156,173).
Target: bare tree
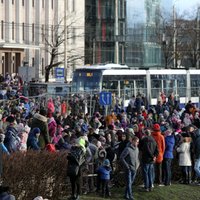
(179,41)
(54,44)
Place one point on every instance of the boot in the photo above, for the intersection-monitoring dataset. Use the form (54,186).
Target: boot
(184,178)
(189,179)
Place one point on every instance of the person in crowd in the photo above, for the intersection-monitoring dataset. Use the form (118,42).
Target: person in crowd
(130,160)
(50,107)
(168,155)
(149,151)
(2,146)
(196,143)
(23,135)
(76,159)
(52,126)
(161,148)
(104,172)
(63,108)
(32,142)
(4,193)
(40,121)
(12,139)
(111,118)
(185,161)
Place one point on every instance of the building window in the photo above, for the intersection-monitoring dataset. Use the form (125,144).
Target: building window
(2,29)
(51,4)
(73,5)
(73,35)
(33,3)
(67,5)
(22,2)
(13,62)
(42,3)
(42,66)
(33,32)
(52,33)
(13,1)
(23,31)
(13,30)
(33,62)
(42,33)
(68,36)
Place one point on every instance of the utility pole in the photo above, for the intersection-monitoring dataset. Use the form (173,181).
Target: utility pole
(198,37)
(116,32)
(65,40)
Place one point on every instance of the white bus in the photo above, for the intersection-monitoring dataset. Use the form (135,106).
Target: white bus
(126,82)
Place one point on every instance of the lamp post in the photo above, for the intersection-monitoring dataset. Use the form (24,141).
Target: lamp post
(198,37)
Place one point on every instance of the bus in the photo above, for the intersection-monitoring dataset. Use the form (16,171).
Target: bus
(125,82)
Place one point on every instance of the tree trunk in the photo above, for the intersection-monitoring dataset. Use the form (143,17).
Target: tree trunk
(47,72)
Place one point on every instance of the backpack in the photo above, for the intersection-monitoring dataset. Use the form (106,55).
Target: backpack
(76,158)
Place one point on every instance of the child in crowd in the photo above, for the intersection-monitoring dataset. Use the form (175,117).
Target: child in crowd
(104,172)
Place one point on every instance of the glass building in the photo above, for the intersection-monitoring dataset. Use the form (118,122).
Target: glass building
(124,31)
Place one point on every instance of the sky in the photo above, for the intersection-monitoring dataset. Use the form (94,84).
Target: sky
(186,5)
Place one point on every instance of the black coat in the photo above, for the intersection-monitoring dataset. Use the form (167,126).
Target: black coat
(149,149)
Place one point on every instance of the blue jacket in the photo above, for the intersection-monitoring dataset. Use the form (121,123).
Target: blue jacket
(32,142)
(11,139)
(104,172)
(4,149)
(6,196)
(169,146)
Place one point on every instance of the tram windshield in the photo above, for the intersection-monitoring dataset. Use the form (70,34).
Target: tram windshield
(86,80)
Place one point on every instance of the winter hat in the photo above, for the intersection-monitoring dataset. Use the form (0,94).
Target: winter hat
(81,142)
(106,163)
(27,129)
(10,119)
(4,189)
(156,127)
(130,130)
(96,131)
(36,130)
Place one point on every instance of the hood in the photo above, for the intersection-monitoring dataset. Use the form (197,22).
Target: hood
(196,134)
(156,133)
(40,117)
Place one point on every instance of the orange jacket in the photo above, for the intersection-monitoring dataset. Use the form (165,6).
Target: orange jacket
(159,138)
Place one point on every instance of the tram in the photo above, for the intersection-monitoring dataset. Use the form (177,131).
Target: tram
(125,82)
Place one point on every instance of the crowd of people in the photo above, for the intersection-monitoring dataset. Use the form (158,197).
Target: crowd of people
(150,137)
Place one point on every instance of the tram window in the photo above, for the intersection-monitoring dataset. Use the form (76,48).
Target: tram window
(156,88)
(195,84)
(181,87)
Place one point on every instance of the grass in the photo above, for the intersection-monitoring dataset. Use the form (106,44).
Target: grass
(173,192)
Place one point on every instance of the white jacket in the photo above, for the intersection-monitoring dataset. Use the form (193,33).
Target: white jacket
(184,154)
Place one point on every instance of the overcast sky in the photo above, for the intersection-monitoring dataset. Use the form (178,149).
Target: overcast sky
(186,5)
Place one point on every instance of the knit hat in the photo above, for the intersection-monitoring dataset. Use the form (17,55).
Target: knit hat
(156,127)
(36,130)
(106,163)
